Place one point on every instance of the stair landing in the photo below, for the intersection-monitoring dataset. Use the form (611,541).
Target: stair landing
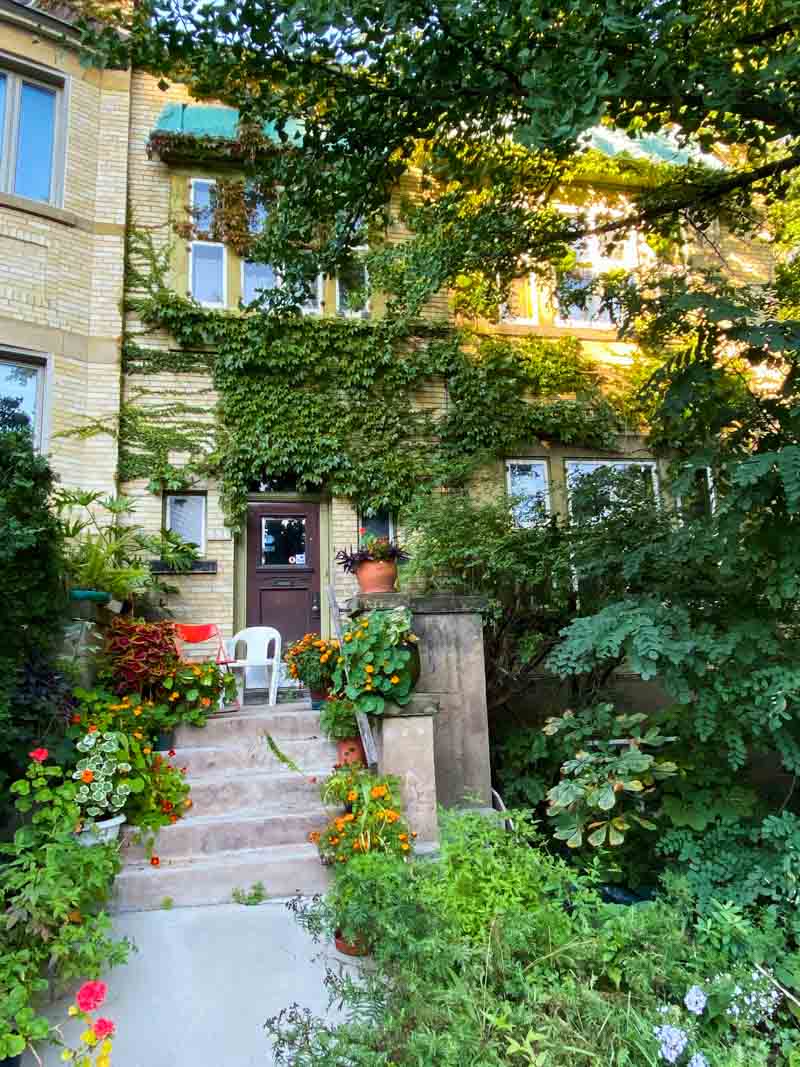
(250,817)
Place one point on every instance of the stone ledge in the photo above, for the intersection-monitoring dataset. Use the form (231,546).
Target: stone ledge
(421,705)
(432,604)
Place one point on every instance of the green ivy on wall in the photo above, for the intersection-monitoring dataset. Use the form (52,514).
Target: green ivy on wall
(334,403)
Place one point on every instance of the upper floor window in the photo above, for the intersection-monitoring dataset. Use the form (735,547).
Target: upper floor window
(592,259)
(527,482)
(31,132)
(206,257)
(22,394)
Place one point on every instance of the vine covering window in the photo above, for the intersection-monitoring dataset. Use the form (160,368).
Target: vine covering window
(527,481)
(207,265)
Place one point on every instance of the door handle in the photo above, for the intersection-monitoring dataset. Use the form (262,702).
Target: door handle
(315,609)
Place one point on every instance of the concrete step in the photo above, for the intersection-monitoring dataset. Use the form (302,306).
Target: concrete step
(251,724)
(207,834)
(284,870)
(254,754)
(256,790)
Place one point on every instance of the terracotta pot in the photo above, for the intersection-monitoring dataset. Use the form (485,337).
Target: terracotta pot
(358,947)
(376,576)
(350,750)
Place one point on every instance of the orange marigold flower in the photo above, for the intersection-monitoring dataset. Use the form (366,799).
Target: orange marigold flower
(174,696)
(147,750)
(402,837)
(349,817)
(378,791)
(87,776)
(314,836)
(352,795)
(348,637)
(137,711)
(75,720)
(138,735)
(188,803)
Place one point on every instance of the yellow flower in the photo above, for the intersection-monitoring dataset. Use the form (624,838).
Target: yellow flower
(378,791)
(404,848)
(107,1047)
(66,1055)
(340,661)
(348,637)
(72,1010)
(88,1038)
(103,1061)
(394,679)
(369,669)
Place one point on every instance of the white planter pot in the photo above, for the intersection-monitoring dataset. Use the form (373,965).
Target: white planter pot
(100,833)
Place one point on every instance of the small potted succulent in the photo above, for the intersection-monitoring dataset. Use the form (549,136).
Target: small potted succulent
(374,562)
(312,660)
(338,722)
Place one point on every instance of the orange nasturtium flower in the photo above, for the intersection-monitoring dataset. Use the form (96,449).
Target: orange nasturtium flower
(205,702)
(394,679)
(87,776)
(352,795)
(369,669)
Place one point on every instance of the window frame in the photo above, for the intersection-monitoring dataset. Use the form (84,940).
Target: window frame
(203,496)
(651,465)
(366,311)
(19,72)
(42,366)
(529,460)
(243,263)
(594,262)
(209,303)
(364,519)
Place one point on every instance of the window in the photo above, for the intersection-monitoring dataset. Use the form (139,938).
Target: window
(593,258)
(699,500)
(22,395)
(589,504)
(186,516)
(257,278)
(352,280)
(206,258)
(283,541)
(381,524)
(528,483)
(31,133)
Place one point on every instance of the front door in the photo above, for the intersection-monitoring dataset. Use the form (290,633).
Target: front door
(283,568)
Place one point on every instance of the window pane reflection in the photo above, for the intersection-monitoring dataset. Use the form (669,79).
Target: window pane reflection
(283,541)
(37,111)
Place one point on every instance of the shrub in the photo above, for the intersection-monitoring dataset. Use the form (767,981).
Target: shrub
(139,655)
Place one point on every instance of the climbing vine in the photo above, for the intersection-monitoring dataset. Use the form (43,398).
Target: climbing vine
(370,409)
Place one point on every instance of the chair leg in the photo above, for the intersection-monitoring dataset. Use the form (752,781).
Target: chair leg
(274,669)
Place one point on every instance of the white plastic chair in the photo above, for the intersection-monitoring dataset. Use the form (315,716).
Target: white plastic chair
(257,659)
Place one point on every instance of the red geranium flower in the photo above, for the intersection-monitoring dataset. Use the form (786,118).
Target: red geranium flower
(39,754)
(91,995)
(155,861)
(171,753)
(103,1028)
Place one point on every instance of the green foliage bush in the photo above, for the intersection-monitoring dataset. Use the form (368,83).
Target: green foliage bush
(498,946)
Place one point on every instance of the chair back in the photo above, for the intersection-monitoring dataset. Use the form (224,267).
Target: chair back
(257,640)
(198,634)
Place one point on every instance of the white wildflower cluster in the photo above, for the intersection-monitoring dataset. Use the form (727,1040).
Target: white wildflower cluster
(756,1002)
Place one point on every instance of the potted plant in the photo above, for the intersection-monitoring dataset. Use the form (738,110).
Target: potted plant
(338,722)
(379,660)
(105,784)
(312,660)
(193,691)
(374,562)
(107,557)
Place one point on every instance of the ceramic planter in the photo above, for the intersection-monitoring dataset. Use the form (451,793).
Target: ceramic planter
(376,576)
(100,833)
(94,595)
(350,750)
(358,947)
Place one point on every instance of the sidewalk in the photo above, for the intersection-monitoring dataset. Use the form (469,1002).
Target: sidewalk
(203,982)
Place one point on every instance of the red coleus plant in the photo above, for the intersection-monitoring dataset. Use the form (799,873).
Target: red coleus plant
(140,654)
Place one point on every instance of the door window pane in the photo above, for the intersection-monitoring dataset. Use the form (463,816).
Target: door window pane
(283,541)
(37,115)
(186,516)
(256,277)
(527,481)
(19,396)
(208,262)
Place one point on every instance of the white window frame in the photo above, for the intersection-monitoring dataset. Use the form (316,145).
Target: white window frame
(530,461)
(277,284)
(193,182)
(203,497)
(533,293)
(597,261)
(616,464)
(19,72)
(364,519)
(320,305)
(41,365)
(347,313)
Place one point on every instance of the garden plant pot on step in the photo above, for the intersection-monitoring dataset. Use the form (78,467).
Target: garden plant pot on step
(100,833)
(358,947)
(350,750)
(376,576)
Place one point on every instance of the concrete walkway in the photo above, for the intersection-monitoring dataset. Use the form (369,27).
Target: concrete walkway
(203,982)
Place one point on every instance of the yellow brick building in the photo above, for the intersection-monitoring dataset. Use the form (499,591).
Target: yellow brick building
(76,170)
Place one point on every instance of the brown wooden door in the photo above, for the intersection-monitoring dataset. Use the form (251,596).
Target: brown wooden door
(283,587)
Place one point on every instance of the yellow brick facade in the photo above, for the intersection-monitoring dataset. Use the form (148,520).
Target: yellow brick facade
(61,265)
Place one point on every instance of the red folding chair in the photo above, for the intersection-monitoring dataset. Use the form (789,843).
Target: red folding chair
(188,634)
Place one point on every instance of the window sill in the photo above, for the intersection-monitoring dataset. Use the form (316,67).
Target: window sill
(36,207)
(200,566)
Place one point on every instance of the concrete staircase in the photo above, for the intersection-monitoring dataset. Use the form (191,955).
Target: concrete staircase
(250,817)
